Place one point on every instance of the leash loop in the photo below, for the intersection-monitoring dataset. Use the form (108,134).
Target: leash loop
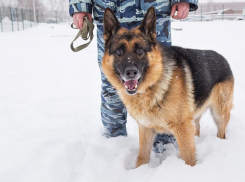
(85,33)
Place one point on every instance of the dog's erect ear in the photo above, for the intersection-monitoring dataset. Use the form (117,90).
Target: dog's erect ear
(148,25)
(111,24)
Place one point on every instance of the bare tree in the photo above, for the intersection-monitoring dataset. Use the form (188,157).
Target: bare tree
(210,5)
(27,5)
(60,7)
(8,2)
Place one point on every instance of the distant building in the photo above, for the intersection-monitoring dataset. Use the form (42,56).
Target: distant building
(226,8)
(231,11)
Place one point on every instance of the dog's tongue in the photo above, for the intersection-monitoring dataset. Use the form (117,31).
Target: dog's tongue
(131,84)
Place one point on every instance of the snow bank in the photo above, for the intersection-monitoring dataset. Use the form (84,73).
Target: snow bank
(6,21)
(50,128)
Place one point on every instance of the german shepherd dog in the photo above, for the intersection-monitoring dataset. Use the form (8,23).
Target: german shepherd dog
(165,89)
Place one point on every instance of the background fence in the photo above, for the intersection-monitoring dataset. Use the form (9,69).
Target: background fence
(15,19)
(218,11)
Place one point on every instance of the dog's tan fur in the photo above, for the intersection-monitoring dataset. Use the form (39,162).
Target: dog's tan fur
(164,103)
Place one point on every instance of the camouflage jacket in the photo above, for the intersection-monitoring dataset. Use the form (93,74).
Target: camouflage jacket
(126,10)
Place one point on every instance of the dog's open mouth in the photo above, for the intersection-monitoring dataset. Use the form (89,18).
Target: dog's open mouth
(131,86)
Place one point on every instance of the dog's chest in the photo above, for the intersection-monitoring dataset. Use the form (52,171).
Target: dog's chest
(146,110)
(150,117)
(146,122)
(159,125)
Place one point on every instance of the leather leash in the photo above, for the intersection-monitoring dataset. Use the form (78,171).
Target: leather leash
(85,33)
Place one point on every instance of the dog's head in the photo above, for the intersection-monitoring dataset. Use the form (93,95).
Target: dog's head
(132,59)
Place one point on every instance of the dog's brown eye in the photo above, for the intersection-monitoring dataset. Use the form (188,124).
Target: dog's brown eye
(119,52)
(140,51)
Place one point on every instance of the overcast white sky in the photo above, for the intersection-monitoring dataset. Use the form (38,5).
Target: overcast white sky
(46,2)
(218,1)
(200,1)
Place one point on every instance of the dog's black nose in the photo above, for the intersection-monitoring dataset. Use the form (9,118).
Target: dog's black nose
(131,72)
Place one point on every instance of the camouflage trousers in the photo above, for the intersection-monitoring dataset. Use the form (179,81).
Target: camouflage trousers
(113,112)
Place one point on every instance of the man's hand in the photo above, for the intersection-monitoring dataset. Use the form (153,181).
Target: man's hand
(183,10)
(78,19)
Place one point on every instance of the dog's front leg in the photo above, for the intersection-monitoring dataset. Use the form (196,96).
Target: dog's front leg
(146,138)
(185,136)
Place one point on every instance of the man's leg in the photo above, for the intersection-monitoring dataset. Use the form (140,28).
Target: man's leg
(113,112)
(163,29)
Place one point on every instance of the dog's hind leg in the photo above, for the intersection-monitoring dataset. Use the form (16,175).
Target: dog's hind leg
(197,126)
(222,105)
(146,138)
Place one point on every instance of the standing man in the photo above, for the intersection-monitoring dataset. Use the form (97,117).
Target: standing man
(130,13)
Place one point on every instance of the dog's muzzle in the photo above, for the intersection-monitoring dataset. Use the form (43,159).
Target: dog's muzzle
(131,79)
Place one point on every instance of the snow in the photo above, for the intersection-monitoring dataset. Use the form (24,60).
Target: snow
(50,128)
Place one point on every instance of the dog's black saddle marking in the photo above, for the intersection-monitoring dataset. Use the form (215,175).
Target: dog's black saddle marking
(207,68)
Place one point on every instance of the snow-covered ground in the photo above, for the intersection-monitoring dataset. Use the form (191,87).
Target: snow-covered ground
(50,128)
